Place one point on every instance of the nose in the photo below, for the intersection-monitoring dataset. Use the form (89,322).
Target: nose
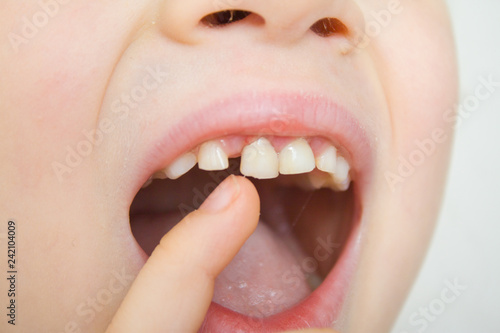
(278,20)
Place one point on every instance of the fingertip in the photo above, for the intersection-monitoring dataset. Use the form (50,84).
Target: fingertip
(248,187)
(243,216)
(233,226)
(249,196)
(233,190)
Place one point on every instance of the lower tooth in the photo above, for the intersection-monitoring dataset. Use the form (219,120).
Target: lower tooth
(211,157)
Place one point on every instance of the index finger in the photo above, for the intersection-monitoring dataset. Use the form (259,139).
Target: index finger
(174,289)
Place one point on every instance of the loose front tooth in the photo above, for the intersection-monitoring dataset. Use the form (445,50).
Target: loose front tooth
(212,157)
(296,158)
(341,176)
(259,160)
(181,166)
(327,161)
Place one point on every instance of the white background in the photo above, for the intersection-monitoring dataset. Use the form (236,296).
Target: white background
(466,245)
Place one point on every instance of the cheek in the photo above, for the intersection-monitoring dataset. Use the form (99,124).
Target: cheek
(53,82)
(47,105)
(418,70)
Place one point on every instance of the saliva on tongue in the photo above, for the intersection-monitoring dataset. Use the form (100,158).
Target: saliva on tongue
(264,278)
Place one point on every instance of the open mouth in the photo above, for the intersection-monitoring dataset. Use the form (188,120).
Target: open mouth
(294,271)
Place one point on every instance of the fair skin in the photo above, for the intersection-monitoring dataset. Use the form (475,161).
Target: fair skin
(60,81)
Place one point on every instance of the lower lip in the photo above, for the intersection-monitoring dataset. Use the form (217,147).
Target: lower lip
(320,310)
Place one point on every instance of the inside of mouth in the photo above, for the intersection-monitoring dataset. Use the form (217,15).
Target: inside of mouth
(299,238)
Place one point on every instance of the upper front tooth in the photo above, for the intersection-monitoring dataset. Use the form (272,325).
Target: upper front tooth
(211,157)
(341,176)
(259,160)
(181,166)
(297,157)
(327,161)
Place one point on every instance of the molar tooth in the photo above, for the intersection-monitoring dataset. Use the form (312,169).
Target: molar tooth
(148,182)
(160,175)
(341,176)
(297,157)
(327,161)
(314,281)
(212,157)
(181,166)
(259,160)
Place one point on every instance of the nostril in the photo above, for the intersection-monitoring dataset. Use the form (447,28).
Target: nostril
(224,17)
(328,27)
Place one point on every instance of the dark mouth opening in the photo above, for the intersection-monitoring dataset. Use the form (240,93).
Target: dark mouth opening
(308,226)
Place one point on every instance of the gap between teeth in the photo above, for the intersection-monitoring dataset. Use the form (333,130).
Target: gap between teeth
(260,160)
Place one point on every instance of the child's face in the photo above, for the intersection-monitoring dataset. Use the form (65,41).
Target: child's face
(96,96)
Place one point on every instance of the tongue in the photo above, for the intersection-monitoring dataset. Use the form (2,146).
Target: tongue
(263,279)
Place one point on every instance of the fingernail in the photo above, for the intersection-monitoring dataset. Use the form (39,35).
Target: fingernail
(222,197)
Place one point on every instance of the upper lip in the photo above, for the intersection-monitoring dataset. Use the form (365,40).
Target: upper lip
(280,114)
